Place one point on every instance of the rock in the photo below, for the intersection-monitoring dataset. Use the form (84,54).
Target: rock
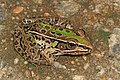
(78,77)
(114,43)
(100,70)
(72,69)
(2,27)
(67,8)
(72,62)
(25,62)
(3,40)
(38,1)
(18,9)
(47,78)
(2,15)
(86,66)
(47,14)
(58,65)
(16,61)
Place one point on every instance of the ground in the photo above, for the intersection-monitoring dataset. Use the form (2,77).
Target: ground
(99,18)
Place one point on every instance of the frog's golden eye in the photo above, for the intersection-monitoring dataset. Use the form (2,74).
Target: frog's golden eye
(71,46)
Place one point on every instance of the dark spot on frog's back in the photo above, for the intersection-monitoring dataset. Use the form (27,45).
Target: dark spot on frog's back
(43,38)
(16,42)
(60,29)
(17,34)
(29,38)
(59,34)
(43,31)
(18,49)
(26,21)
(47,27)
(32,44)
(53,32)
(32,50)
(67,30)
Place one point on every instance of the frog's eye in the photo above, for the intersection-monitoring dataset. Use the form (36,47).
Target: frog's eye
(71,46)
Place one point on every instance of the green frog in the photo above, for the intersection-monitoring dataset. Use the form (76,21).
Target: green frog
(41,40)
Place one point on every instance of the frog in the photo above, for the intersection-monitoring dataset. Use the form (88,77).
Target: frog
(42,40)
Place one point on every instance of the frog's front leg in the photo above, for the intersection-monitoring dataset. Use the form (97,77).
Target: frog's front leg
(47,54)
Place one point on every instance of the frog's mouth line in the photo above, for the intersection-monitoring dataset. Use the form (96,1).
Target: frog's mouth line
(73,52)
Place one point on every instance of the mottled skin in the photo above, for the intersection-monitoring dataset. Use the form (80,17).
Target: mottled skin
(40,40)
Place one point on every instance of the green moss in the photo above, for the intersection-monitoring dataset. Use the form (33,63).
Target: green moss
(84,5)
(32,66)
(103,36)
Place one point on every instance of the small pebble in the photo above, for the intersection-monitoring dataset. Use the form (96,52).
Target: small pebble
(86,66)
(98,55)
(25,62)
(72,62)
(58,65)
(72,69)
(3,40)
(38,1)
(34,10)
(17,18)
(47,78)
(110,79)
(16,60)
(101,70)
(13,18)
(47,14)
(103,78)
(33,74)
(27,73)
(78,77)
(60,77)
(18,9)
(11,39)
(6,48)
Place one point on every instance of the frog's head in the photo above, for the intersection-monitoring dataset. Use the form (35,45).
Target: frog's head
(65,35)
(71,42)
